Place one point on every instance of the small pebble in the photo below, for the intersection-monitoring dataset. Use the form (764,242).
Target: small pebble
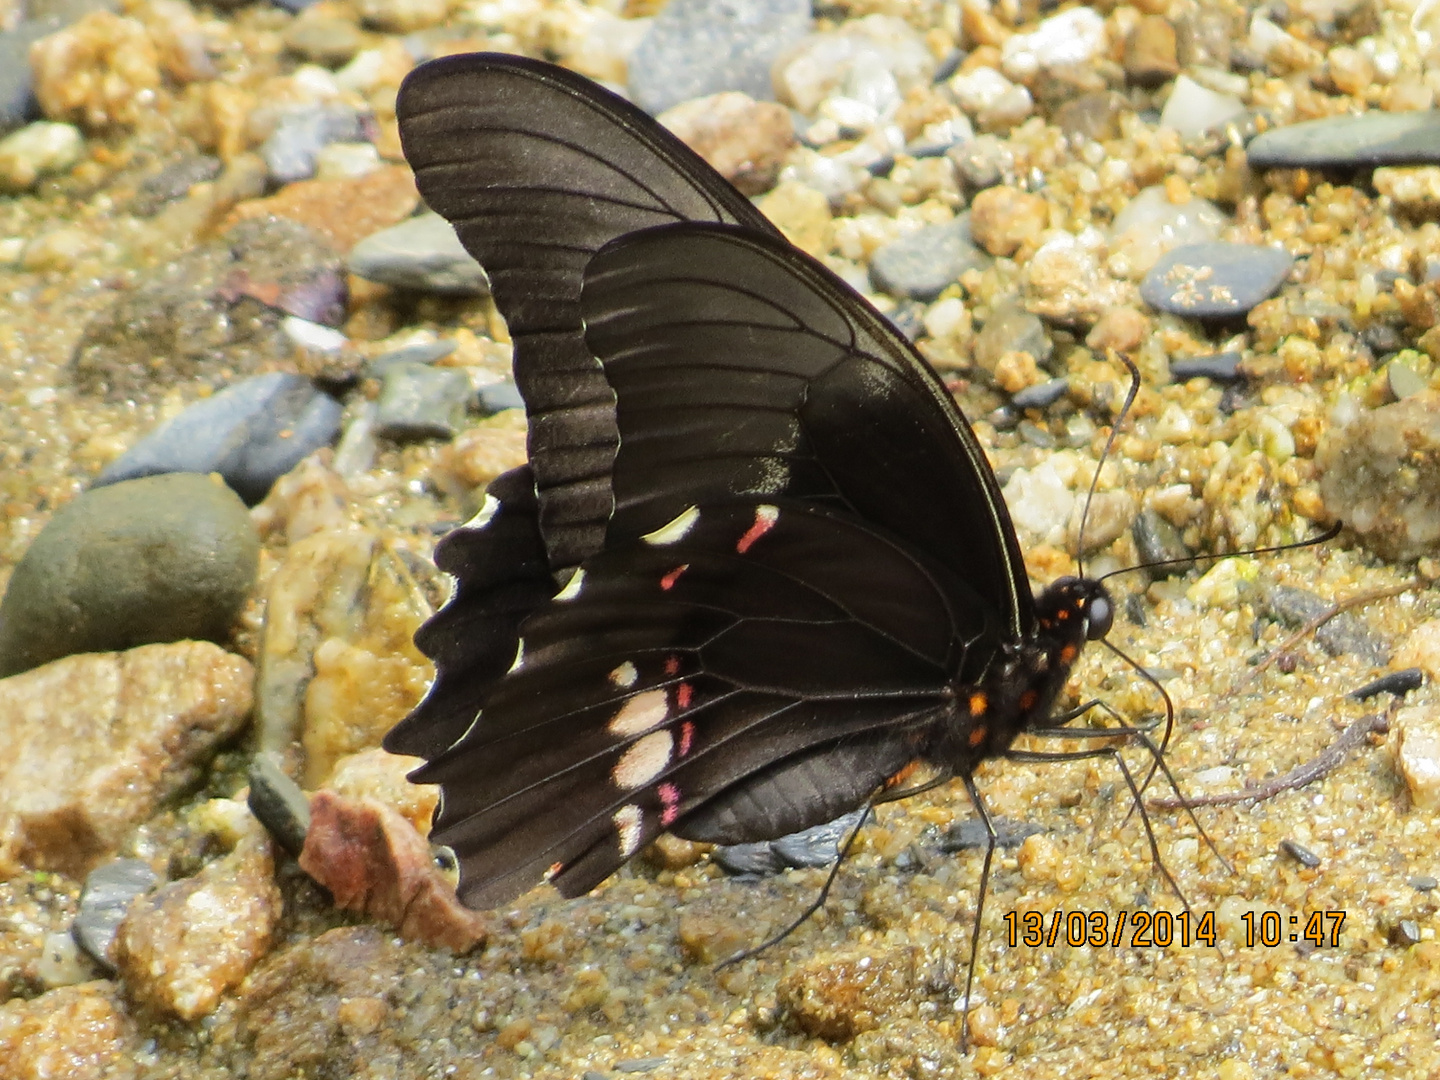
(1218,367)
(1301,854)
(924,263)
(1160,547)
(970,834)
(1010,329)
(1367,140)
(104,900)
(1424,883)
(1415,743)
(1398,683)
(699,47)
(174,181)
(499,396)
(300,134)
(278,803)
(252,434)
(1215,280)
(1150,52)
(1192,109)
(812,847)
(421,253)
(745,140)
(40,149)
(1041,395)
(1405,932)
(156,559)
(421,402)
(425,352)
(1344,634)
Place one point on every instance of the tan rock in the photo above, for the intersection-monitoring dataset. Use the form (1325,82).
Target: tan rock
(338,666)
(344,210)
(1415,744)
(838,997)
(1150,52)
(1120,328)
(91,744)
(744,139)
(1415,188)
(1065,282)
(181,947)
(100,71)
(482,452)
(1421,648)
(75,1032)
(802,214)
(1002,219)
(374,774)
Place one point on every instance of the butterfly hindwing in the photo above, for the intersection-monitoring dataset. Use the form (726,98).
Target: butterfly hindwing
(773,664)
(537,168)
(741,366)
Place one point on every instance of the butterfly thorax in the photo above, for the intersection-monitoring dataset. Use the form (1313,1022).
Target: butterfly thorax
(1019,689)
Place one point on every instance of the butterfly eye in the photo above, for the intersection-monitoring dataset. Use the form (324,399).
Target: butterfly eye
(1099,618)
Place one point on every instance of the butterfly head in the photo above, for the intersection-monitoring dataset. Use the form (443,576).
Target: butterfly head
(1076,601)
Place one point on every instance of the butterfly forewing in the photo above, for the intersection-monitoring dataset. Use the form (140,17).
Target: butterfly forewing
(751,646)
(698,324)
(537,168)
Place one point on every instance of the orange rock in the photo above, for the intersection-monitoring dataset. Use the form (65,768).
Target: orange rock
(343,210)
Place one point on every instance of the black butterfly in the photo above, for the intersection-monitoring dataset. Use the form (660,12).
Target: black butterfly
(785,571)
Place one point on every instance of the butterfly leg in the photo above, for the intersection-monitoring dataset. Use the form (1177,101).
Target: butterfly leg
(992,839)
(814,906)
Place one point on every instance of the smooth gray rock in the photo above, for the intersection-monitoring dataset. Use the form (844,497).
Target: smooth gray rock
(699,47)
(1215,280)
(164,558)
(278,803)
(497,397)
(420,402)
(251,434)
(1156,542)
(922,265)
(1221,367)
(815,846)
(1041,395)
(1368,140)
(104,900)
(1011,328)
(426,352)
(421,253)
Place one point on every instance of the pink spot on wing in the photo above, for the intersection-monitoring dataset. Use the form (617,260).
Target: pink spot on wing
(669,803)
(765,518)
(687,735)
(672,665)
(683,693)
(668,581)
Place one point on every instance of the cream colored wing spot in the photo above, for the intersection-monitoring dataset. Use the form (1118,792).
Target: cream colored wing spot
(643,761)
(639,714)
(628,820)
(675,531)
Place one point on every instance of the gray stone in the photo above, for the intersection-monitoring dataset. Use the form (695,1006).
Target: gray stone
(1011,328)
(1161,549)
(164,558)
(105,898)
(497,397)
(1215,280)
(1343,634)
(1220,367)
(971,833)
(421,253)
(815,846)
(420,402)
(1368,140)
(1041,395)
(302,132)
(923,264)
(251,434)
(426,352)
(278,803)
(173,182)
(699,47)
(757,859)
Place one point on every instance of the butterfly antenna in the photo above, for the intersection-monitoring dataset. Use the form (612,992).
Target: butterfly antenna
(1190,560)
(815,905)
(1105,455)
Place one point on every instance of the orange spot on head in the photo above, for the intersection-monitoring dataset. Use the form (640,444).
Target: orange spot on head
(1063,614)
(979,702)
(977,735)
(1068,654)
(1027,700)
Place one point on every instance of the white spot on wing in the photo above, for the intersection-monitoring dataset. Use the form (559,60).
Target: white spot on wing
(519,656)
(628,820)
(641,713)
(675,531)
(643,761)
(572,587)
(482,518)
(624,675)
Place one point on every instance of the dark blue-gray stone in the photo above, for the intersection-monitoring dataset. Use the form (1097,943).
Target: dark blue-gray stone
(1368,140)
(1343,634)
(1011,328)
(497,397)
(1221,367)
(421,253)
(278,803)
(922,265)
(1160,546)
(1399,683)
(1042,395)
(104,900)
(163,558)
(302,132)
(252,434)
(817,845)
(421,402)
(699,47)
(757,859)
(1215,280)
(971,833)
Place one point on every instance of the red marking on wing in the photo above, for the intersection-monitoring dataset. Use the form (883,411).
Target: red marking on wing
(765,518)
(687,735)
(683,693)
(669,803)
(668,581)
(672,665)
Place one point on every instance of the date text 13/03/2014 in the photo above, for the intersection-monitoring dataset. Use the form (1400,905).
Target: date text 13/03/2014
(1163,929)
